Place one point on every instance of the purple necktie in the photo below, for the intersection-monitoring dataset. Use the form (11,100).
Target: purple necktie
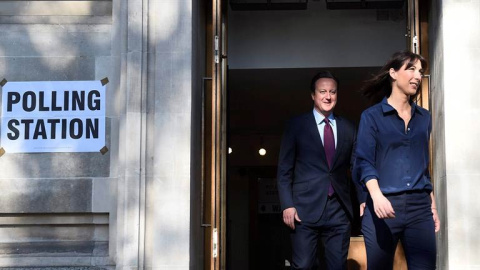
(329,145)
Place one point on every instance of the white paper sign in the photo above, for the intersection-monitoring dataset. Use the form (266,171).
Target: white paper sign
(57,116)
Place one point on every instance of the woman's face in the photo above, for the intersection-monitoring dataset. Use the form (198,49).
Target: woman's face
(407,80)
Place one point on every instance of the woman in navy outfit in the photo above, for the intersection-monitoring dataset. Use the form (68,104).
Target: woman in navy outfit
(392,160)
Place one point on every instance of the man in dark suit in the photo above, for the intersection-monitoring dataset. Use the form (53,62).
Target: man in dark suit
(313,179)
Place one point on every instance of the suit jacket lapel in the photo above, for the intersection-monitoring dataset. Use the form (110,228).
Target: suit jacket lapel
(340,141)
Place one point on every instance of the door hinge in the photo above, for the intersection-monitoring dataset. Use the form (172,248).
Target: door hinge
(415,43)
(215,243)
(216,52)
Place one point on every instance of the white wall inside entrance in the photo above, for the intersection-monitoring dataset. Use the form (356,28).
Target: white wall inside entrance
(315,37)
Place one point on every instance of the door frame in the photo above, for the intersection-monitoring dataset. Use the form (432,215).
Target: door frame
(214,146)
(214,118)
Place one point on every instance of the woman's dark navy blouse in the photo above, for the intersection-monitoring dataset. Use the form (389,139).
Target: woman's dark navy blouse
(396,156)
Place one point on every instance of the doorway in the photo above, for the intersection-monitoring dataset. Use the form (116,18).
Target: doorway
(260,102)
(272,55)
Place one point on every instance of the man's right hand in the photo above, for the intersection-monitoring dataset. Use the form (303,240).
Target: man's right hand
(289,217)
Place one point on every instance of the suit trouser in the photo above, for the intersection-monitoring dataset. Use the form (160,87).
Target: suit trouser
(413,225)
(333,229)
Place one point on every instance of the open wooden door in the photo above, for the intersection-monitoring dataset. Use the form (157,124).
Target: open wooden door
(215,149)
(417,33)
(418,30)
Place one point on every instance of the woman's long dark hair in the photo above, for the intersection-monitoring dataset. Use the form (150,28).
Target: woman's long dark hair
(380,85)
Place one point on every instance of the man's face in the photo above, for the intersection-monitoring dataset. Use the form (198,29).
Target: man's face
(325,96)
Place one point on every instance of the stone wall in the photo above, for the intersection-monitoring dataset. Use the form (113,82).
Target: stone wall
(128,208)
(57,207)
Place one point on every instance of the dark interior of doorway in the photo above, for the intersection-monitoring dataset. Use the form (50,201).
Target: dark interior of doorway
(260,101)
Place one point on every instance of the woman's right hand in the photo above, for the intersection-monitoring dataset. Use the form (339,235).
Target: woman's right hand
(382,206)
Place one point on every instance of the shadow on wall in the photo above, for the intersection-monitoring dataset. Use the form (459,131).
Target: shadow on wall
(48,206)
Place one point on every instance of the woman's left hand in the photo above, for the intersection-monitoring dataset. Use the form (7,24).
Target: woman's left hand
(436,219)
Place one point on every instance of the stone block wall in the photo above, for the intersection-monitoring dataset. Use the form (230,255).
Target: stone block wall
(58,208)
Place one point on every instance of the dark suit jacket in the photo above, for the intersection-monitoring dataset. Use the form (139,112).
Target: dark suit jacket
(303,175)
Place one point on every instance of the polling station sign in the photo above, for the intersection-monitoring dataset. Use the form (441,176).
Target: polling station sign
(53,116)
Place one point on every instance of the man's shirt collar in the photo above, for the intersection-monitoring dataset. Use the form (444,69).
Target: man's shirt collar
(320,117)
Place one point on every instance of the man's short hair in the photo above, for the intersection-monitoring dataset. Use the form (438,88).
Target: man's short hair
(320,75)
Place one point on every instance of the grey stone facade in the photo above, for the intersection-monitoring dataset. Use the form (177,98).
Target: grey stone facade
(128,208)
